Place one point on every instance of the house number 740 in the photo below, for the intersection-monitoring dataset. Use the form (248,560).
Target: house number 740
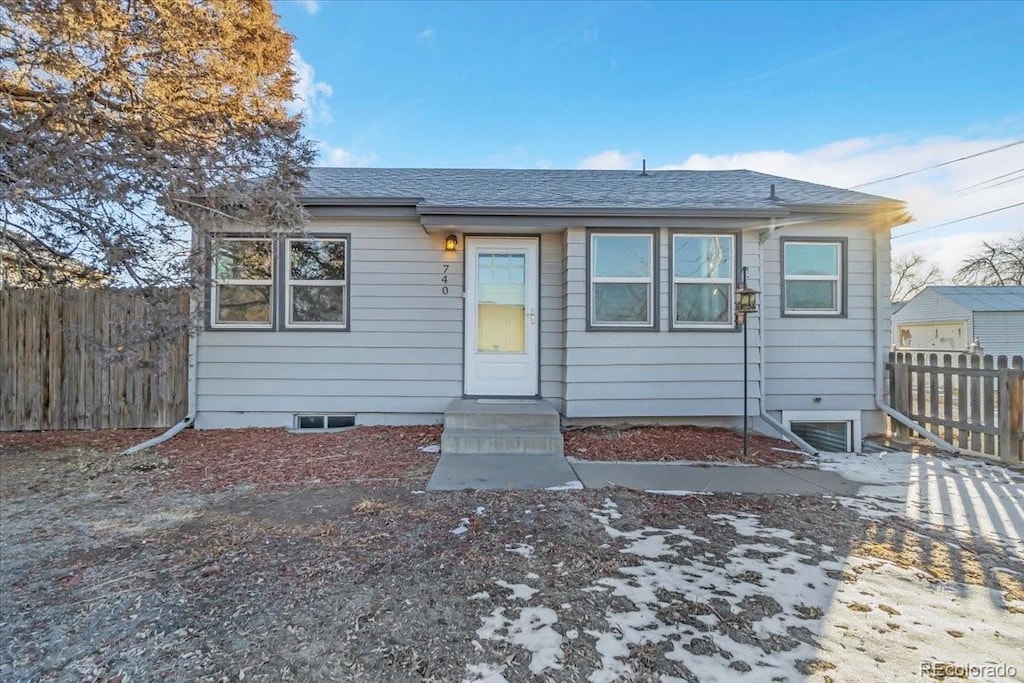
(444,278)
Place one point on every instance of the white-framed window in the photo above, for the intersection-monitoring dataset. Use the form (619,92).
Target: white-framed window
(703,280)
(621,287)
(834,431)
(813,277)
(242,294)
(316,282)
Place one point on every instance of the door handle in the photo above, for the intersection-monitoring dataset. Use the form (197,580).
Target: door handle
(533,317)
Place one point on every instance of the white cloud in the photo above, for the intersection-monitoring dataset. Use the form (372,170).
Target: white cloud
(339,156)
(610,160)
(426,35)
(933,196)
(310,95)
(311,6)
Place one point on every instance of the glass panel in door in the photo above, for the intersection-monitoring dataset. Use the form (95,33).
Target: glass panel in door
(501,303)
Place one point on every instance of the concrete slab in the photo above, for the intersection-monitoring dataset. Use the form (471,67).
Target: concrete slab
(657,476)
(509,471)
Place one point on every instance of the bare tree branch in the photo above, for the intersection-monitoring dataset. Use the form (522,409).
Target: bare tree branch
(999,262)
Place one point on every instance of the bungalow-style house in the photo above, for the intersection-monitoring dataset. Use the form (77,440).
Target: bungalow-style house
(605,296)
(962,318)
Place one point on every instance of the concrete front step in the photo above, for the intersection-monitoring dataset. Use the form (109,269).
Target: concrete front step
(481,442)
(501,415)
(495,426)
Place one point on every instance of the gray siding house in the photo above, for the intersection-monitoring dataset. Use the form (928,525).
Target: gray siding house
(608,294)
(952,318)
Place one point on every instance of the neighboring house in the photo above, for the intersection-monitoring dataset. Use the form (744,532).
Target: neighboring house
(610,294)
(949,318)
(25,263)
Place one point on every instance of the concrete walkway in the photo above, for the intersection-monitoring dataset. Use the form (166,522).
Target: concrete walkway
(523,471)
(676,476)
(520,471)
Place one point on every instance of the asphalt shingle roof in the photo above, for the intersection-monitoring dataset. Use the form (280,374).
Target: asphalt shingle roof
(576,189)
(1009,298)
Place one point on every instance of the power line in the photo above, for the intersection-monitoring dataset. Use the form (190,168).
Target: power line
(986,182)
(944,163)
(959,220)
(1001,182)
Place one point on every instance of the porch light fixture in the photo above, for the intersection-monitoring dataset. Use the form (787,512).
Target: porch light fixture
(746,302)
(450,242)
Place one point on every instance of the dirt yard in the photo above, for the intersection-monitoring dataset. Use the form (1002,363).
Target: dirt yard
(155,567)
(704,444)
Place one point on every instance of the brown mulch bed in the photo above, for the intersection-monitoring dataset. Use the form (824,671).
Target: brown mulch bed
(660,444)
(99,440)
(212,460)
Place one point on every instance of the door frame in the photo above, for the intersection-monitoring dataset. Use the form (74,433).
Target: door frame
(466,239)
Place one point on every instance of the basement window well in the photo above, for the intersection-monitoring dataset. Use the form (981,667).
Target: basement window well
(324,421)
(830,431)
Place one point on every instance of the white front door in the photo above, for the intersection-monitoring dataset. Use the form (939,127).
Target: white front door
(502,316)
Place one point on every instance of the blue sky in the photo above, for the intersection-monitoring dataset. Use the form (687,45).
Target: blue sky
(840,93)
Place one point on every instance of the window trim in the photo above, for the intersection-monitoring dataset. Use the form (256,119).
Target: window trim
(288,282)
(841,279)
(215,283)
(653,303)
(737,241)
(850,417)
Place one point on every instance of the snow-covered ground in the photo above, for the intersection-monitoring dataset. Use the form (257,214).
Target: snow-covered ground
(973,498)
(778,606)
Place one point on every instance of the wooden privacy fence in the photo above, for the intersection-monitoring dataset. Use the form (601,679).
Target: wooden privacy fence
(56,372)
(973,402)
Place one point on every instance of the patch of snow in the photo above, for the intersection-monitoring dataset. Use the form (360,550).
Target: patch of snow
(531,630)
(430,448)
(574,485)
(480,511)
(524,549)
(418,493)
(462,528)
(572,634)
(520,591)
(485,673)
(532,575)
(670,492)
(482,595)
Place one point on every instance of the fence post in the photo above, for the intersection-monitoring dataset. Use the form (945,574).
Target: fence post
(901,392)
(1011,409)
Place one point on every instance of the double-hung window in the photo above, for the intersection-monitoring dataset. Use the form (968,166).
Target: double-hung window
(316,289)
(703,280)
(813,277)
(621,287)
(243,282)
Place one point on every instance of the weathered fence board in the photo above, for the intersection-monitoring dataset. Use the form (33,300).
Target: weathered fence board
(54,373)
(974,402)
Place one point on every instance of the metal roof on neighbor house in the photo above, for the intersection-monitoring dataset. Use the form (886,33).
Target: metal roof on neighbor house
(576,189)
(1009,298)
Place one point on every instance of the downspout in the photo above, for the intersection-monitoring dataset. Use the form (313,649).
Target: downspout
(775,424)
(190,416)
(880,343)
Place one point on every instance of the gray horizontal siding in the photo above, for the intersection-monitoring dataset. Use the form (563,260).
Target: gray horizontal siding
(822,363)
(402,355)
(629,374)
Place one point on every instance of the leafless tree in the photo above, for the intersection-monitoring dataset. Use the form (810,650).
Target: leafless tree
(999,262)
(121,122)
(912,273)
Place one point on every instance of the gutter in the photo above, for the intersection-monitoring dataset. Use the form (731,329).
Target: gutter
(880,403)
(778,426)
(193,393)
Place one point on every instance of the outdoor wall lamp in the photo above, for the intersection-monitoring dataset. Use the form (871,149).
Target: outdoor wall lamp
(450,242)
(746,302)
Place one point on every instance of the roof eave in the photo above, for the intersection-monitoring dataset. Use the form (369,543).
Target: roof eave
(433,209)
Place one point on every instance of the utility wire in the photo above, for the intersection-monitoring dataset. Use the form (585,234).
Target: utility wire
(1001,182)
(958,220)
(944,163)
(986,182)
